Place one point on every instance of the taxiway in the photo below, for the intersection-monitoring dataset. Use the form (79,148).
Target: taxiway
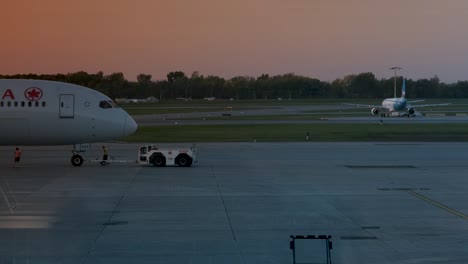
(380,202)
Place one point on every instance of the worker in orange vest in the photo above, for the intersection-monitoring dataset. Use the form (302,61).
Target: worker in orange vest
(17,157)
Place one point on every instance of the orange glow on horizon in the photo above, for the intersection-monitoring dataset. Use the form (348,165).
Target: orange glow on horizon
(320,38)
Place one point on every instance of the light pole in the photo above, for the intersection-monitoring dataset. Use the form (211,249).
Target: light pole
(395,68)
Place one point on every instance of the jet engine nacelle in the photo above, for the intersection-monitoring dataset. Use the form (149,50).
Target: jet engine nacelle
(410,111)
(375,111)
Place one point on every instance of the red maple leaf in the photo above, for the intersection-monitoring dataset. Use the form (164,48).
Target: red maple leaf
(33,94)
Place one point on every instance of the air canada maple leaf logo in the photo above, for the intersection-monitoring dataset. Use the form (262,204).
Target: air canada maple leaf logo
(33,94)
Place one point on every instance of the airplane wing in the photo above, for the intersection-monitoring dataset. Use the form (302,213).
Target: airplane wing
(427,105)
(365,106)
(416,101)
(416,113)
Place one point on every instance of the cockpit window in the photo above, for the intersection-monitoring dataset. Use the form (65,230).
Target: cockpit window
(108,104)
(105,104)
(115,105)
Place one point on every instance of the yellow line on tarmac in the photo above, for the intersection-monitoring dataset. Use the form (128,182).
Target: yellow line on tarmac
(441,206)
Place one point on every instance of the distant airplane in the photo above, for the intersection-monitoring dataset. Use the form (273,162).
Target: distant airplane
(396,106)
(44,113)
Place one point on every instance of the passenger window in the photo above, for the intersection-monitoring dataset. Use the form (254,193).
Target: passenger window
(22,104)
(9,104)
(37,104)
(105,104)
(16,104)
(1,104)
(29,104)
(43,104)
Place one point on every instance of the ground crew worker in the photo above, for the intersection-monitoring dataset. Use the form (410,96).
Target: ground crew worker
(17,157)
(105,154)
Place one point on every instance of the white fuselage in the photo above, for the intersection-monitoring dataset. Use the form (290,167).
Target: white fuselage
(36,112)
(394,104)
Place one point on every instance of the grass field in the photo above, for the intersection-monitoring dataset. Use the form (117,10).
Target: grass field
(292,132)
(297,132)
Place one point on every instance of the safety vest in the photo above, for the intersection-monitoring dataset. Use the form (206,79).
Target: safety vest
(105,151)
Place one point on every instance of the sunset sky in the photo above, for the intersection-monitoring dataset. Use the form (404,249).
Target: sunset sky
(324,39)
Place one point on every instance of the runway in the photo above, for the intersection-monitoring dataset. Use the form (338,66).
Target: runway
(380,202)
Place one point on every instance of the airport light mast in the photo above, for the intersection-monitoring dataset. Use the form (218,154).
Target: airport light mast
(395,68)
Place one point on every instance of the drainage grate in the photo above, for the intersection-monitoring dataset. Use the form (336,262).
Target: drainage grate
(114,223)
(358,238)
(397,144)
(380,166)
(403,189)
(370,227)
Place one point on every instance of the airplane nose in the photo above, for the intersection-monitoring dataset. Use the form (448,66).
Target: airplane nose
(130,126)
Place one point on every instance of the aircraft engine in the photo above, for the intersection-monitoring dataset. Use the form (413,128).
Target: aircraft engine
(410,111)
(375,111)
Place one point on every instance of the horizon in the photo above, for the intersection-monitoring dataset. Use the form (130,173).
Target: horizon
(188,75)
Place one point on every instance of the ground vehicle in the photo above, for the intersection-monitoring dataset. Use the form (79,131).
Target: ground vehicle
(160,157)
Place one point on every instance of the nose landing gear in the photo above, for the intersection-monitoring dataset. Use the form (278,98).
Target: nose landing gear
(77,159)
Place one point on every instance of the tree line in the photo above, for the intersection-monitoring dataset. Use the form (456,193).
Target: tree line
(286,86)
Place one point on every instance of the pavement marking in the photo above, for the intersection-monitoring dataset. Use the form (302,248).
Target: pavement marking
(380,166)
(441,206)
(358,237)
(26,221)
(7,201)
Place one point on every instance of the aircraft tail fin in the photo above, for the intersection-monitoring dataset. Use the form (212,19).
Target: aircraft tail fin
(403,89)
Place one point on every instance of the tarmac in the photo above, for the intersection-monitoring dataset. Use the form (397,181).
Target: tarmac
(380,202)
